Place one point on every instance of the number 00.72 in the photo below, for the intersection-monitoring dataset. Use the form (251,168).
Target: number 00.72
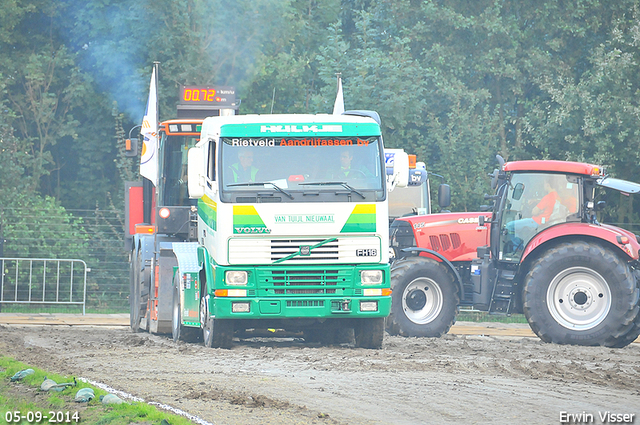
(197,95)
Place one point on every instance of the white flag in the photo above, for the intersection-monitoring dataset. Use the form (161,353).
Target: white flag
(338,106)
(149,158)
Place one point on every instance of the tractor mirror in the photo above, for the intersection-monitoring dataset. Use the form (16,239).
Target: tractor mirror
(517,191)
(494,179)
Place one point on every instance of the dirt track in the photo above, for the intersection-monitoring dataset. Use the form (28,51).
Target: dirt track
(455,379)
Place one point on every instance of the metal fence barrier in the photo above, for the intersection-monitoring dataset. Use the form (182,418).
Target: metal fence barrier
(43,281)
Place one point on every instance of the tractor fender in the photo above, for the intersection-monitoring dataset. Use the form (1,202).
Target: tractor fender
(445,261)
(611,235)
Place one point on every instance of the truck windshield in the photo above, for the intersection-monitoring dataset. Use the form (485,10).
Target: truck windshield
(173,169)
(301,169)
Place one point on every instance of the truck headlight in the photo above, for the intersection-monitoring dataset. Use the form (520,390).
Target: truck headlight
(236,277)
(371,277)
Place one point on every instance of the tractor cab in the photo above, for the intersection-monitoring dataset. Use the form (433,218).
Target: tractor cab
(533,196)
(532,202)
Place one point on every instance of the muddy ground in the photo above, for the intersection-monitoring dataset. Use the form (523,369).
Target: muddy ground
(454,379)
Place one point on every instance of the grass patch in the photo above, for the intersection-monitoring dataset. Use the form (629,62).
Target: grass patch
(482,316)
(26,397)
(58,309)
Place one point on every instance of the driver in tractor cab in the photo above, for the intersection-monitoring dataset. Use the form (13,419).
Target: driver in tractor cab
(557,203)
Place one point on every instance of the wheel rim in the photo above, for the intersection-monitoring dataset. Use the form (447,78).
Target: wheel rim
(579,298)
(422,300)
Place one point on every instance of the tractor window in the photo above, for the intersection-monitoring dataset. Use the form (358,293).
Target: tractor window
(533,203)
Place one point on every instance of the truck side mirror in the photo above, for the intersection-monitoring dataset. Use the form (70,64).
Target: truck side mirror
(196,172)
(131,148)
(444,195)
(401,169)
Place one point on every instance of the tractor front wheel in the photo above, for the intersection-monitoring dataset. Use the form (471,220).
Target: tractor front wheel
(580,293)
(425,298)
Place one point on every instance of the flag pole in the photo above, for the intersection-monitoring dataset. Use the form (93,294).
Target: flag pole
(338,106)
(156,66)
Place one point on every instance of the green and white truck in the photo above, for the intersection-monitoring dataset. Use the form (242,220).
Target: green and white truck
(292,229)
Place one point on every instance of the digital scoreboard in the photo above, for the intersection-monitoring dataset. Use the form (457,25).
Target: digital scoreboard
(200,101)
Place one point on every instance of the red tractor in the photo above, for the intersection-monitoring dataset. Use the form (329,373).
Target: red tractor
(540,252)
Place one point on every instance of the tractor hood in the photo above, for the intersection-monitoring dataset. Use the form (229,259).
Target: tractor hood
(454,235)
(620,185)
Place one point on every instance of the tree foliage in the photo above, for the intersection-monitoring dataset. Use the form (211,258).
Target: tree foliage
(455,82)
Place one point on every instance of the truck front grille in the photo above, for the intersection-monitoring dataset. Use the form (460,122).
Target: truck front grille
(285,281)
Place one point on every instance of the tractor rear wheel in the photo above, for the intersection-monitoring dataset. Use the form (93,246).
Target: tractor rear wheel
(580,293)
(425,298)
(634,332)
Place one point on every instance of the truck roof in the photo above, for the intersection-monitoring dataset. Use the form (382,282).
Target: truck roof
(283,125)
(554,167)
(290,118)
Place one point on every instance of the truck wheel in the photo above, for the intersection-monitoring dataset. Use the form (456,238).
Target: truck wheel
(138,293)
(369,333)
(216,333)
(424,301)
(582,294)
(179,332)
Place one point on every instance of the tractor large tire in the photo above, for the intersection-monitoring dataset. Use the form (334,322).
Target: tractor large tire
(138,292)
(180,332)
(369,333)
(425,298)
(634,332)
(580,293)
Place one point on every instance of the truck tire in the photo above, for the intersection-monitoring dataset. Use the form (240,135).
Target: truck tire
(138,292)
(425,298)
(580,293)
(369,333)
(216,333)
(179,332)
